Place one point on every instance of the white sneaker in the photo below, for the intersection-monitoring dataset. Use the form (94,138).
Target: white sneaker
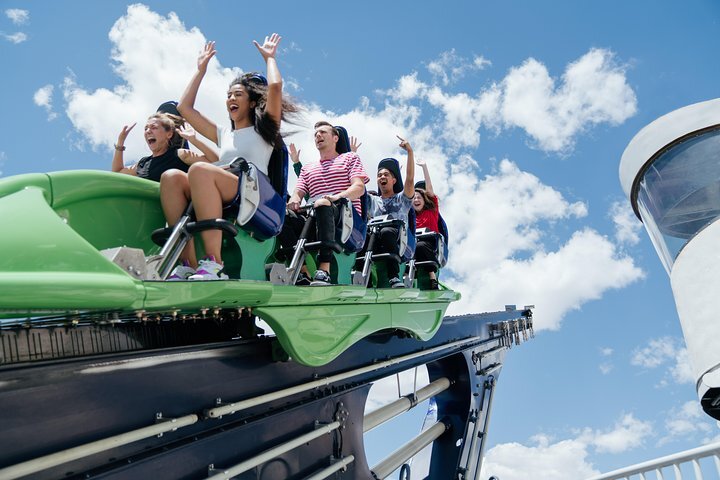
(320,279)
(181,272)
(209,269)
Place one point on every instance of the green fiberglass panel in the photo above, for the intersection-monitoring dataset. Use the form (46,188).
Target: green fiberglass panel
(316,324)
(223,294)
(20,182)
(254,256)
(315,335)
(48,265)
(109,209)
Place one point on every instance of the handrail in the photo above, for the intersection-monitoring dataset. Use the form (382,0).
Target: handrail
(407,451)
(322,382)
(64,456)
(272,453)
(402,405)
(674,460)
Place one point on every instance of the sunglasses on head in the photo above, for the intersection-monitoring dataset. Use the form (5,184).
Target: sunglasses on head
(255,78)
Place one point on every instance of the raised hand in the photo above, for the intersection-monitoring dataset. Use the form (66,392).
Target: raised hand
(421,163)
(205,55)
(294,153)
(404,144)
(354,144)
(269,46)
(124,133)
(187,132)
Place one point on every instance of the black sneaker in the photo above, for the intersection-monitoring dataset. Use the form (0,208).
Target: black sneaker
(303,280)
(395,282)
(434,285)
(321,278)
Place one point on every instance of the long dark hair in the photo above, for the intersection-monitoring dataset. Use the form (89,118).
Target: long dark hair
(256,87)
(429,203)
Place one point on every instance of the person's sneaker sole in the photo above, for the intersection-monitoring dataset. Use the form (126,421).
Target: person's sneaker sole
(209,277)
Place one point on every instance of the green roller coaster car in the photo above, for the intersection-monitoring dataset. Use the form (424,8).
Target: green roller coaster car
(59,227)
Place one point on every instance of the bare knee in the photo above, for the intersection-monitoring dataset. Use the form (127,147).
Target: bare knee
(173,179)
(201,169)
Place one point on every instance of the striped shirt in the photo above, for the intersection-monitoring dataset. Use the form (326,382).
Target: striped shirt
(331,176)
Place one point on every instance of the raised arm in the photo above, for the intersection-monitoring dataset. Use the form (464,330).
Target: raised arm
(295,157)
(274,98)
(409,186)
(189,157)
(426,173)
(354,144)
(186,107)
(117,162)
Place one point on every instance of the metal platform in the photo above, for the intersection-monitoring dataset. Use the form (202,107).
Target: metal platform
(173,399)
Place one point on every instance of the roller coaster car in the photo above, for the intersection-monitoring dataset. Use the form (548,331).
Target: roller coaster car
(370,267)
(80,249)
(439,242)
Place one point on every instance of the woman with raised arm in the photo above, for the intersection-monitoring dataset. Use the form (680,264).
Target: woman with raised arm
(164,134)
(256,106)
(427,214)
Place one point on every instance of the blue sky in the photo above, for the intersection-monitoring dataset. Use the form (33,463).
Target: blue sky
(521,109)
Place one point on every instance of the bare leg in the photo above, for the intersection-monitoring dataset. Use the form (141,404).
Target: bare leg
(174,197)
(211,188)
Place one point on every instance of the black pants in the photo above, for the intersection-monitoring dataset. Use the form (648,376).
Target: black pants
(425,252)
(326,218)
(386,241)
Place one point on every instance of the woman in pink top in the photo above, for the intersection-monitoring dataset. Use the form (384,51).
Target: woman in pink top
(427,213)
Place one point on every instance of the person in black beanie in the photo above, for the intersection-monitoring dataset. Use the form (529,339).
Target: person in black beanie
(395,200)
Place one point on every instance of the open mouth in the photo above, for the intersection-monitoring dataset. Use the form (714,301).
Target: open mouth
(151,141)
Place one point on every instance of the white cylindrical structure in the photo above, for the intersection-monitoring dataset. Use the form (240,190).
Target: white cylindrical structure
(670,171)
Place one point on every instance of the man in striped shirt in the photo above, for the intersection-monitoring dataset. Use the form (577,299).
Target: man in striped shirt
(334,177)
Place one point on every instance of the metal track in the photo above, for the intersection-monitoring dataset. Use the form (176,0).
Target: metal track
(106,396)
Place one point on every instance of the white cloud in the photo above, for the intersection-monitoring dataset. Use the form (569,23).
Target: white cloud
(606,368)
(627,226)
(43,98)
(386,390)
(565,459)
(490,273)
(661,352)
(147,80)
(409,87)
(628,433)
(16,38)
(688,420)
(17,15)
(681,371)
(657,352)
(592,90)
(450,67)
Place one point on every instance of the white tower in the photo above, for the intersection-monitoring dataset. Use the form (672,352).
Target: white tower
(670,171)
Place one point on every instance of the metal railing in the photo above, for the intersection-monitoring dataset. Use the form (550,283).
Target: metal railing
(653,469)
